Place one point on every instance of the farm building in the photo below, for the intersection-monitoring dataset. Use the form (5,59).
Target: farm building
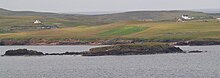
(186,17)
(37,22)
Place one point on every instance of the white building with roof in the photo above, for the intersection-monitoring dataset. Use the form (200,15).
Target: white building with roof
(186,17)
(37,22)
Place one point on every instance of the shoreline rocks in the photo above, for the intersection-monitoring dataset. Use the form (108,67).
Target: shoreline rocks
(66,53)
(106,42)
(26,52)
(23,52)
(196,51)
(198,43)
(128,49)
(133,49)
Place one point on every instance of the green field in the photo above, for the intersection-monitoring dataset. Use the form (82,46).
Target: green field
(7,22)
(193,30)
(120,31)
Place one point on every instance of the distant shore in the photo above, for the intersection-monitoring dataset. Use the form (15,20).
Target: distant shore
(128,49)
(125,49)
(107,42)
(198,42)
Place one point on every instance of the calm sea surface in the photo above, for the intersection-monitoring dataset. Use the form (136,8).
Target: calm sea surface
(195,65)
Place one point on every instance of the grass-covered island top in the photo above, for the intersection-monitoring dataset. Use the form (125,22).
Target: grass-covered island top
(128,49)
(134,49)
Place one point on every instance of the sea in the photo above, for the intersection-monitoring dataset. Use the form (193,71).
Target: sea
(173,65)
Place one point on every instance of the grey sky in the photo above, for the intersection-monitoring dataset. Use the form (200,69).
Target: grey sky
(106,5)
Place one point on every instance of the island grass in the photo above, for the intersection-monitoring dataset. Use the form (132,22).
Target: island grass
(126,47)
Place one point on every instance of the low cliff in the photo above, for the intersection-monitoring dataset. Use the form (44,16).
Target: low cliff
(22,52)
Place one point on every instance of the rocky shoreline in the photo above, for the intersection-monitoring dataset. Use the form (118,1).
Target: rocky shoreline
(106,42)
(64,42)
(22,52)
(144,49)
(198,43)
(26,52)
(128,49)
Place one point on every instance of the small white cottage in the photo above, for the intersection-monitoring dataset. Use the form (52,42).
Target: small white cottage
(37,22)
(186,17)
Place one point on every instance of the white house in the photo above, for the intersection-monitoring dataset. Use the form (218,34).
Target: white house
(218,19)
(37,22)
(186,17)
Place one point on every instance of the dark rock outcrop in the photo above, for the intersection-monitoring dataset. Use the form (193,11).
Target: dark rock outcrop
(128,49)
(66,53)
(22,52)
(133,50)
(198,43)
(196,51)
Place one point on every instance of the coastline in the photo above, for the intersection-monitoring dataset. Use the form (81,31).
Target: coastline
(98,43)
(197,43)
(127,49)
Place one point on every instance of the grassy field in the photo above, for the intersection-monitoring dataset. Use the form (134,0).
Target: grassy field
(6,22)
(193,30)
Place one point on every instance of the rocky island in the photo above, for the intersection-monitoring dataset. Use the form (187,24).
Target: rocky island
(134,49)
(128,49)
(22,52)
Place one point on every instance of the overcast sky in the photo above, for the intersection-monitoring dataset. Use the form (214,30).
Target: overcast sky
(106,5)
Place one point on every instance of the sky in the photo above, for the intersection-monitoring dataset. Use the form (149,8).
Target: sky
(63,6)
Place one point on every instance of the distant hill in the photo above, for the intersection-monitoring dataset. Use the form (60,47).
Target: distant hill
(208,10)
(133,15)
(4,12)
(95,13)
(212,12)
(10,18)
(136,15)
(154,15)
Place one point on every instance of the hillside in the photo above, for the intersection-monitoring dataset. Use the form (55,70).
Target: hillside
(215,15)
(132,15)
(153,31)
(9,18)
(148,25)
(138,15)
(153,15)
(5,12)
(216,10)
(8,22)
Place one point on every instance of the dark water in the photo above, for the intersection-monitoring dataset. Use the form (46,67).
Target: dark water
(202,65)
